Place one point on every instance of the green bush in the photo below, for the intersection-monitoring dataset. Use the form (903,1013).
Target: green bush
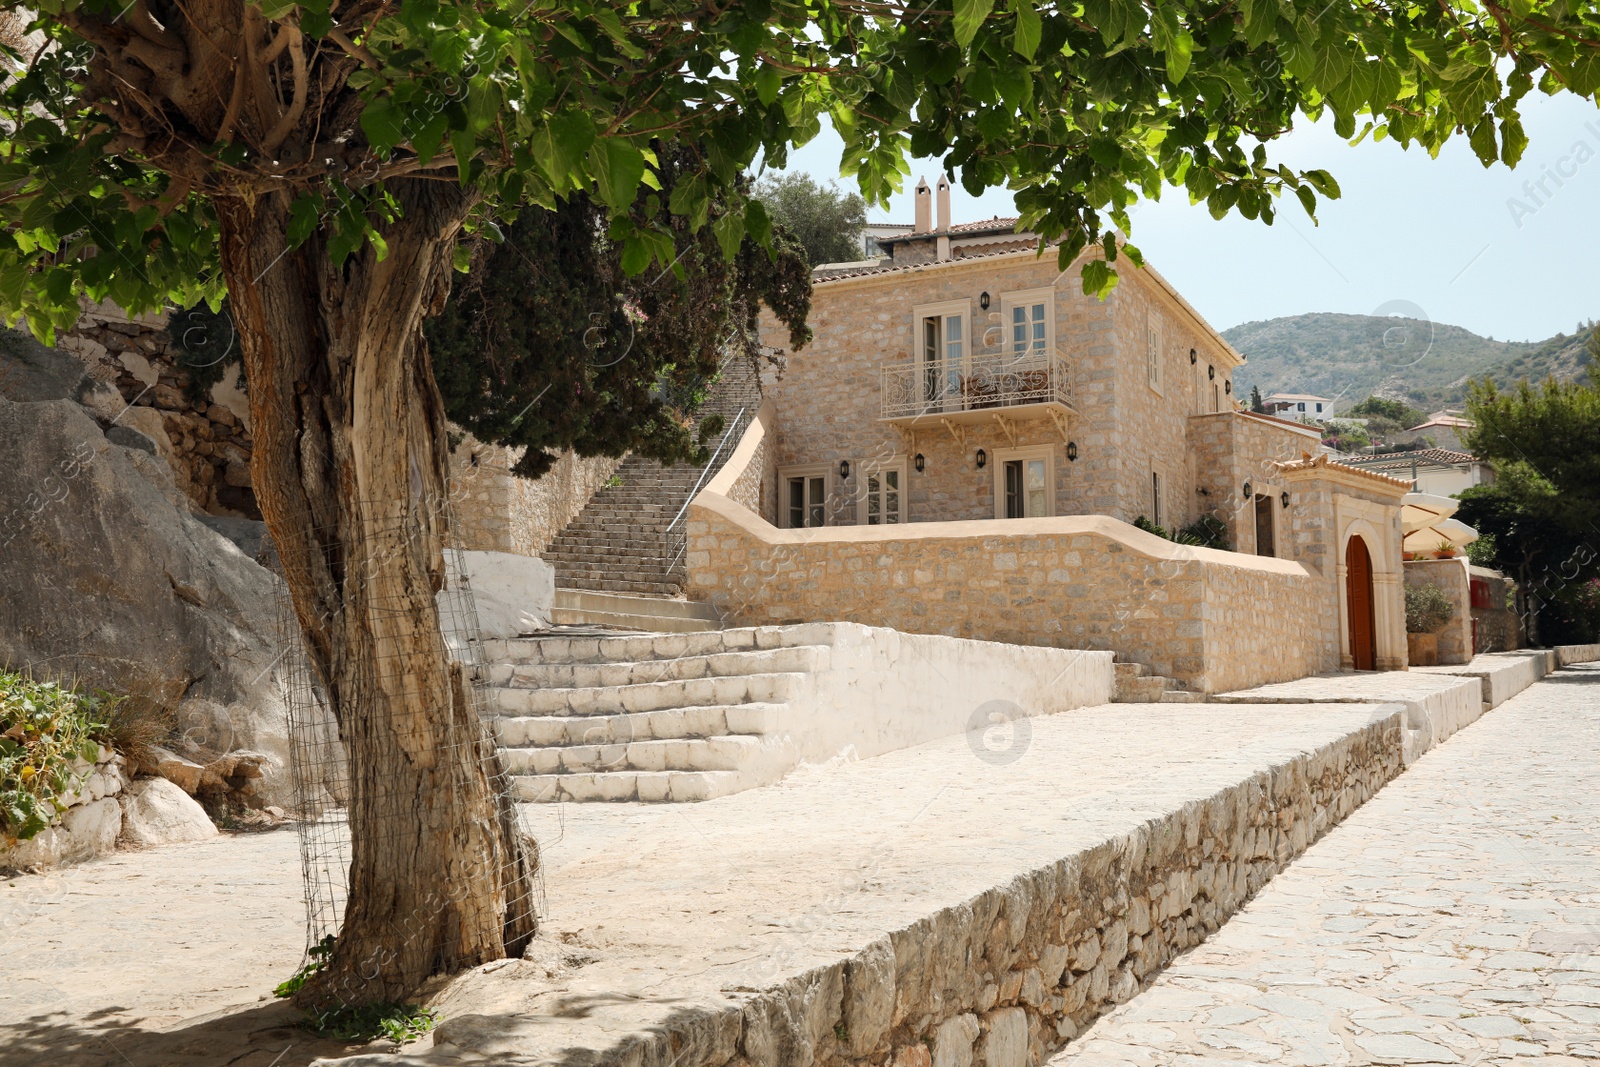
(1427,609)
(1149,527)
(45,728)
(1207,531)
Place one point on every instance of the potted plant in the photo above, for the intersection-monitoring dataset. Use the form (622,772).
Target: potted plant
(1445,551)
(1427,610)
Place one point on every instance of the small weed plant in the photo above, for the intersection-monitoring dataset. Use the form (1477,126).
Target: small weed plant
(45,730)
(400,1023)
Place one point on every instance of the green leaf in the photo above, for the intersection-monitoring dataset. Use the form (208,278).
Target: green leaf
(729,230)
(969,15)
(1098,279)
(1029,28)
(757,222)
(618,168)
(305,214)
(381,121)
(768,81)
(1179,51)
(635,255)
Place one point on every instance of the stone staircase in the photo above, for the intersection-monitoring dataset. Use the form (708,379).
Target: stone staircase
(654,717)
(1136,685)
(582,607)
(619,542)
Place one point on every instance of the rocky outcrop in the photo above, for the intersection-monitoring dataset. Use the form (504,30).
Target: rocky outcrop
(112,583)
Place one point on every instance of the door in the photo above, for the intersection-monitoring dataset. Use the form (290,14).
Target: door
(1358,604)
(884,501)
(1264,538)
(1026,488)
(944,344)
(807,502)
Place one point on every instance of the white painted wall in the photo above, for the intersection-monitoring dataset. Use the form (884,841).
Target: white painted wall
(513,593)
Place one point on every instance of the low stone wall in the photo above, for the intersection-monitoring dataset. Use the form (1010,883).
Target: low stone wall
(497,511)
(1569,654)
(1450,575)
(1214,620)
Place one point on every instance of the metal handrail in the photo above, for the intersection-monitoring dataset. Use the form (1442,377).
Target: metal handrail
(977,382)
(677,538)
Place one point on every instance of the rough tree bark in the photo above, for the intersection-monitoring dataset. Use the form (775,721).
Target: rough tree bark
(349,468)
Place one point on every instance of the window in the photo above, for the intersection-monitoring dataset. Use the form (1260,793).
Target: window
(1216,397)
(942,348)
(1029,318)
(1265,541)
(804,495)
(1155,498)
(883,499)
(1319,409)
(1024,483)
(1152,352)
(1300,406)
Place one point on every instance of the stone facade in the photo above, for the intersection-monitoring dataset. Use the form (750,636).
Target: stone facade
(1450,575)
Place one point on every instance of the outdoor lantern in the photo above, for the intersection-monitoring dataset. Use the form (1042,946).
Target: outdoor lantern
(1072,451)
(1192,357)
(1227,387)
(1211,372)
(844,468)
(1247,490)
(982,457)
(983,301)
(1285,498)
(918,462)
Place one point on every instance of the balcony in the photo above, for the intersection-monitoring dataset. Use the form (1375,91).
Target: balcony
(1000,389)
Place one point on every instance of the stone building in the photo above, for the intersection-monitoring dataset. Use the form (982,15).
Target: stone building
(964,446)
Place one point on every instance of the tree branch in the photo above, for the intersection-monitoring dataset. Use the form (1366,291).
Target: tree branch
(297,105)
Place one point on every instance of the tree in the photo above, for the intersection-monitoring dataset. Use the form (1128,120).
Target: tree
(827,221)
(318,165)
(547,345)
(1396,413)
(1256,403)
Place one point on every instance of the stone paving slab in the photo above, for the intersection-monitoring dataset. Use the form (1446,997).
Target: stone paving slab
(669,917)
(1502,674)
(1455,919)
(1437,704)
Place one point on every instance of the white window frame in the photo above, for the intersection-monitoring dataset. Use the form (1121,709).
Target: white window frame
(806,470)
(1003,455)
(1028,298)
(897,464)
(1154,353)
(1158,494)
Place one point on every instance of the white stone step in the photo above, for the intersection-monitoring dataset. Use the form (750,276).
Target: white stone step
(652,646)
(622,604)
(649,696)
(638,623)
(654,786)
(713,720)
(677,754)
(682,668)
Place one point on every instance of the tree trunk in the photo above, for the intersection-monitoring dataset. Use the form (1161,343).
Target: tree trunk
(350,471)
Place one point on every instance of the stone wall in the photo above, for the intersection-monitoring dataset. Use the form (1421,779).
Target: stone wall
(1450,575)
(206,441)
(1499,628)
(1230,449)
(497,511)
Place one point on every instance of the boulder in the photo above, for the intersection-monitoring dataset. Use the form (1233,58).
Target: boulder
(113,584)
(183,773)
(157,812)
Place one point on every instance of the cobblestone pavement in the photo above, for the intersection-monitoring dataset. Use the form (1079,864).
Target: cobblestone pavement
(1453,919)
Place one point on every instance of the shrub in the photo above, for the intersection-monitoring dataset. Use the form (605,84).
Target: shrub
(1427,609)
(1207,531)
(1149,527)
(45,729)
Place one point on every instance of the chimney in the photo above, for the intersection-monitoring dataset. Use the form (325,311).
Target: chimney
(944,203)
(924,207)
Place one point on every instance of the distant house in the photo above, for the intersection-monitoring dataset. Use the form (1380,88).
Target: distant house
(1301,407)
(1444,428)
(876,233)
(1438,471)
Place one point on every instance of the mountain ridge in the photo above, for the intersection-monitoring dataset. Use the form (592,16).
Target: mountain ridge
(1351,357)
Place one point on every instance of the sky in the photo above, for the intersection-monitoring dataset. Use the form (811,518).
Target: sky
(1442,239)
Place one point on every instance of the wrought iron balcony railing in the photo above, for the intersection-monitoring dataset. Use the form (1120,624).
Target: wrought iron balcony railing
(979,383)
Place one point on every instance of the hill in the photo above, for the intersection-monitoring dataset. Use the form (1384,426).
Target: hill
(1354,356)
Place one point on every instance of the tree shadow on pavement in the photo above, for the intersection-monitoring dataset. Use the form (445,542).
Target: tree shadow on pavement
(264,1036)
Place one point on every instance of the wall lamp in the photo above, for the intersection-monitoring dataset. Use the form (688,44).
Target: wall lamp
(1211,372)
(1227,387)
(1192,357)
(983,301)
(844,469)
(983,458)
(1285,499)
(1072,451)
(1247,490)
(919,462)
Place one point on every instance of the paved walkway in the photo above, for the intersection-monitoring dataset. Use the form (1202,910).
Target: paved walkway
(1455,918)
